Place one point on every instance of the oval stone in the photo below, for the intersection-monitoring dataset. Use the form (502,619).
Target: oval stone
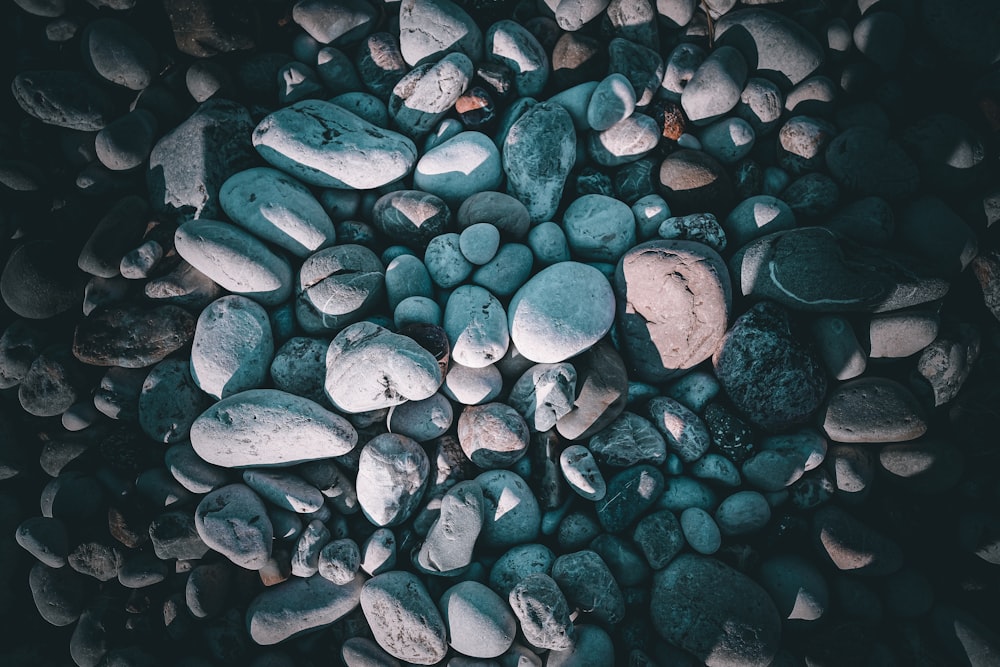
(275,207)
(721,616)
(326,145)
(392,474)
(673,306)
(232,348)
(235,260)
(268,427)
(300,605)
(403,618)
(560,312)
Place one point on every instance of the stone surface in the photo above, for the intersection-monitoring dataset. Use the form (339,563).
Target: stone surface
(561,311)
(170,401)
(769,375)
(189,164)
(872,409)
(430,30)
(476,324)
(538,153)
(543,612)
(853,546)
(492,435)
(403,618)
(369,368)
(326,145)
(480,623)
(269,427)
(716,613)
(773,45)
(63,98)
(298,606)
(232,520)
(392,475)
(236,260)
(673,306)
(275,207)
(232,347)
(132,336)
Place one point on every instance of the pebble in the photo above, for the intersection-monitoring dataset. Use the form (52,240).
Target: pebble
(459,167)
(742,513)
(239,431)
(132,336)
(761,105)
(339,561)
(511,514)
(369,368)
(479,242)
(611,102)
(232,521)
(630,493)
(403,618)
(232,348)
(543,612)
(659,537)
(284,490)
(392,474)
(599,228)
(717,468)
(700,530)
(476,325)
(872,409)
(492,435)
(448,547)
(424,95)
(509,269)
(304,559)
(538,152)
(64,99)
(852,546)
(624,142)
(337,286)
(770,376)
(59,594)
(798,588)
(946,363)
(691,181)
(411,217)
(715,612)
(547,324)
(901,334)
(299,367)
(126,142)
(501,210)
(511,44)
(480,623)
(430,30)
(629,439)
(45,538)
(654,316)
(445,263)
(277,208)
(357,155)
(300,605)
(34,283)
(699,227)
(580,470)
(235,260)
(207,588)
(363,652)
(472,386)
(174,535)
(191,471)
(189,164)
(715,87)
(544,394)
(117,53)
(773,44)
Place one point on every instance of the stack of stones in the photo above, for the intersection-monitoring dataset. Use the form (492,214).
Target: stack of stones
(486,332)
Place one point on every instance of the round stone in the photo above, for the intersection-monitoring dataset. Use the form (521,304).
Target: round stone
(561,311)
(673,306)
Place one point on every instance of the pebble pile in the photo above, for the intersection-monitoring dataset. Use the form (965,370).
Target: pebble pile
(500,332)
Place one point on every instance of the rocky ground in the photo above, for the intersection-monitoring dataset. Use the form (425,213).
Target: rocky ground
(507,333)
